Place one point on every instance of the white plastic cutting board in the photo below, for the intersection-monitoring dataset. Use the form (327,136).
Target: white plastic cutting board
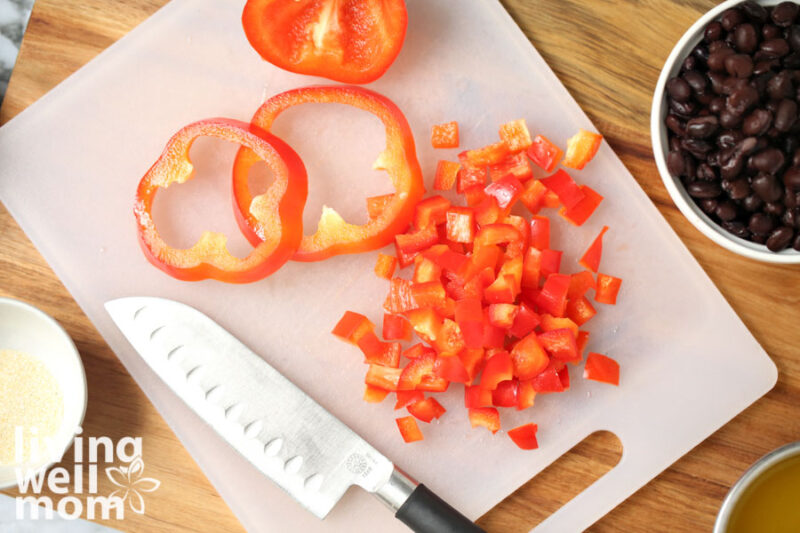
(69,166)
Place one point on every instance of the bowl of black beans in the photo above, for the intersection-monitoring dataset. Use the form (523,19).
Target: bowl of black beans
(725,127)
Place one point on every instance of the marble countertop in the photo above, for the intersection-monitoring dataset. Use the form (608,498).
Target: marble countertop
(13,20)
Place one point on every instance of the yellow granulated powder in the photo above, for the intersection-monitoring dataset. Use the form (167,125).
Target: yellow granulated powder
(30,397)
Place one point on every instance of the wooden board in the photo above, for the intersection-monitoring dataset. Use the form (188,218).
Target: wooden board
(67,31)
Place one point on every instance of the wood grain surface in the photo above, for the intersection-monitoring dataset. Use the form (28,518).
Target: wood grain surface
(608,53)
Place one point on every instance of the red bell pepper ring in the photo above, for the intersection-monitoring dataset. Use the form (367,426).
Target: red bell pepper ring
(553,298)
(446,175)
(565,188)
(515,135)
(407,397)
(544,153)
(601,368)
(580,212)
(487,417)
(409,429)
(445,135)
(505,395)
(607,289)
(334,236)
(352,326)
(377,204)
(528,357)
(279,210)
(374,394)
(349,42)
(525,436)
(581,148)
(426,410)
(385,265)
(591,257)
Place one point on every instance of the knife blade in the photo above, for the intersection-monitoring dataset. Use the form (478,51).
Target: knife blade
(273,424)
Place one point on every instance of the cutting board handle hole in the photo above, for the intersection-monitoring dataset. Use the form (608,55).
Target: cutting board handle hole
(568,476)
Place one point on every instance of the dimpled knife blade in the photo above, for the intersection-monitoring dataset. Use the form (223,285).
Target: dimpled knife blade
(277,427)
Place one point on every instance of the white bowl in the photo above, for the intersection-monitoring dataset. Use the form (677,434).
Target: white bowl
(29,330)
(658,134)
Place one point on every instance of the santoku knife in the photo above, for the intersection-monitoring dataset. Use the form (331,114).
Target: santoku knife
(272,423)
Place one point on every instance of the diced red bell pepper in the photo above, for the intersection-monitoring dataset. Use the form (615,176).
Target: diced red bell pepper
(515,135)
(476,285)
(446,174)
(452,369)
(449,340)
(487,417)
(409,429)
(379,353)
(399,299)
(408,245)
(528,357)
(487,211)
(532,196)
(472,359)
(580,310)
(591,258)
(496,234)
(433,384)
(445,135)
(486,256)
(383,377)
(487,155)
(548,380)
(581,341)
(553,297)
(469,316)
(525,436)
(563,375)
(607,289)
(498,368)
(407,397)
(549,323)
(551,262)
(352,326)
(512,267)
(505,395)
(417,369)
(385,265)
(474,195)
(560,344)
(475,397)
(493,337)
(580,212)
(396,328)
(377,204)
(531,268)
(374,394)
(426,410)
(516,165)
(417,351)
(449,260)
(580,283)
(469,177)
(506,191)
(526,395)
(429,294)
(426,323)
(461,224)
(601,368)
(426,270)
(581,148)
(565,188)
(525,321)
(431,211)
(503,315)
(550,199)
(540,232)
(523,227)
(544,153)
(502,290)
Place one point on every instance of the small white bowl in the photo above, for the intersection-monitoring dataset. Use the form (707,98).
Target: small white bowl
(658,134)
(27,329)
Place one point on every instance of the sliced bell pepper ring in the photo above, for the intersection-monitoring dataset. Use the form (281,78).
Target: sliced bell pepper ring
(580,310)
(544,153)
(487,417)
(601,368)
(445,135)
(476,397)
(352,326)
(526,395)
(349,42)
(407,397)
(579,283)
(516,165)
(409,429)
(565,188)
(515,135)
(580,212)
(426,410)
(278,210)
(469,177)
(334,236)
(498,368)
(533,195)
(505,395)
(484,156)
(385,265)
(395,327)
(607,289)
(560,344)
(446,174)
(581,148)
(461,224)
(377,204)
(553,298)
(551,262)
(528,357)
(374,394)
(525,436)
(431,211)
(591,257)
(525,321)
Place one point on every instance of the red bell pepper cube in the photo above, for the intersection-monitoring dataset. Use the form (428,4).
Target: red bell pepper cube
(472,359)
(408,245)
(469,177)
(426,323)
(581,148)
(544,153)
(418,350)
(426,270)
(525,436)
(352,326)
(449,340)
(383,377)
(550,199)
(528,357)
(549,323)
(553,297)
(486,256)
(560,344)
(526,395)
(580,212)
(493,337)
(487,211)
(522,226)
(532,196)
(417,369)
(548,380)
(461,224)
(475,397)
(516,165)
(580,283)
(524,322)
(385,265)
(562,184)
(591,258)
(374,394)
(551,262)
(377,204)
(399,299)
(379,353)
(531,268)
(426,410)
(505,395)
(498,368)
(445,135)
(409,429)
(601,368)
(540,232)
(496,234)
(431,211)
(446,174)
(396,328)
(515,135)
(469,317)
(506,191)
(512,267)
(429,294)
(581,341)
(487,417)
(476,285)
(487,155)
(407,397)
(580,310)
(452,369)
(433,384)
(502,290)
(563,375)
(503,315)
(607,289)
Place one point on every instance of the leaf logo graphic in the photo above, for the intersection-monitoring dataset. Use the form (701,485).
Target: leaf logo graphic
(131,484)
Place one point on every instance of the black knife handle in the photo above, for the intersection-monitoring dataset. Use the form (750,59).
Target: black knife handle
(425,512)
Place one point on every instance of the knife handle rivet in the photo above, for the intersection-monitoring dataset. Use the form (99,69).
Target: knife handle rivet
(273,447)
(313,482)
(234,411)
(293,465)
(252,429)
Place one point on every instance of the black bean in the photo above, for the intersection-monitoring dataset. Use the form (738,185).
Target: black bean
(770,31)
(796,243)
(781,86)
(690,63)
(675,124)
(731,18)
(786,115)
(702,127)
(745,38)
(793,36)
(777,47)
(765,66)
(679,90)
(732,83)
(704,99)
(716,59)
(757,122)
(726,210)
(790,144)
(754,11)
(761,223)
(717,80)
(731,163)
(790,198)
(696,80)
(705,172)
(780,238)
(739,189)
(675,163)
(716,105)
(739,65)
(713,31)
(708,205)
(683,109)
(729,120)
(791,178)
(753,203)
(791,61)
(674,142)
(704,189)
(791,217)
(758,239)
(766,186)
(768,161)
(697,147)
(774,208)
(736,228)
(783,14)
(729,138)
(741,100)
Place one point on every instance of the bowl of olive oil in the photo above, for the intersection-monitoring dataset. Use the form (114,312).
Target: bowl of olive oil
(766,499)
